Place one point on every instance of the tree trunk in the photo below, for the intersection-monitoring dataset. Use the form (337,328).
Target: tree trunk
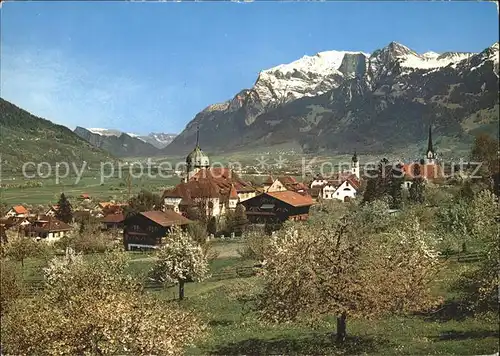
(341,328)
(181,289)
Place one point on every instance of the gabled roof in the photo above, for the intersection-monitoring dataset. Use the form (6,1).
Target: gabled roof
(233,194)
(292,198)
(19,209)
(113,218)
(287,180)
(85,196)
(269,180)
(50,225)
(223,178)
(201,188)
(166,218)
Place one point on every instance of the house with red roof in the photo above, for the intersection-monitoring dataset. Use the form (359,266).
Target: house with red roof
(47,228)
(17,211)
(113,221)
(84,197)
(277,207)
(283,183)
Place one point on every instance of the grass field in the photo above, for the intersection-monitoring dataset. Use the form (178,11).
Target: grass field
(114,187)
(235,328)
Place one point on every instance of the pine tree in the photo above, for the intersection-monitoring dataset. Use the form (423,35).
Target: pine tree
(65,211)
(212,226)
(417,190)
(396,190)
(240,220)
(378,186)
(370,191)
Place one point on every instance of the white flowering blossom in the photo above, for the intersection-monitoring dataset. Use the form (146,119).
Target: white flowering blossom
(58,267)
(180,259)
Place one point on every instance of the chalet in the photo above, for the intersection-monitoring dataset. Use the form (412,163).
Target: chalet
(17,211)
(276,207)
(52,210)
(49,229)
(112,221)
(149,228)
(102,209)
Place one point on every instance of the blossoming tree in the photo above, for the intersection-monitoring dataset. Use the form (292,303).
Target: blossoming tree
(180,260)
(330,268)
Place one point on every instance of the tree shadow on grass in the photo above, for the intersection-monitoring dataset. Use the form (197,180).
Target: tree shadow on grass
(449,310)
(465,335)
(215,323)
(310,344)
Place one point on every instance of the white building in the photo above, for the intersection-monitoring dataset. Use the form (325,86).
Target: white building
(17,211)
(343,186)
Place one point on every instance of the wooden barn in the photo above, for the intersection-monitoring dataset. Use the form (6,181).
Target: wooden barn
(147,229)
(277,207)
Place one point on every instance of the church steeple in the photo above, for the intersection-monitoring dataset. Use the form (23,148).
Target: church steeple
(355,165)
(431,154)
(197,159)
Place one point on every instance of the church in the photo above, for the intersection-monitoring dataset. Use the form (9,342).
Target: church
(427,168)
(213,190)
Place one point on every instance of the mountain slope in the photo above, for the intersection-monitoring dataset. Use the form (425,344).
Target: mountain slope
(27,138)
(117,143)
(378,102)
(158,139)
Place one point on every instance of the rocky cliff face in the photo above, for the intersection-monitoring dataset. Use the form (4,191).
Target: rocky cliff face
(338,101)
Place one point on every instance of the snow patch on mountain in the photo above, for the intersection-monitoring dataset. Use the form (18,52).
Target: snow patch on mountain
(105,132)
(307,76)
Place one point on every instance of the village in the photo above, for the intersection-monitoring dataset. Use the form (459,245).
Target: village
(214,193)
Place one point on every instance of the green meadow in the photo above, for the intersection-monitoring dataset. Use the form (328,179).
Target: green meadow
(224,303)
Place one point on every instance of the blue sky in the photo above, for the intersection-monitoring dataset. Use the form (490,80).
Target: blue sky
(150,67)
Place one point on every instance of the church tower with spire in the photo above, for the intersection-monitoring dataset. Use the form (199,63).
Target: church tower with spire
(430,156)
(355,165)
(197,159)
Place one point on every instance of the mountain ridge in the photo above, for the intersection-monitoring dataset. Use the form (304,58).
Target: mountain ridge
(29,138)
(119,144)
(392,81)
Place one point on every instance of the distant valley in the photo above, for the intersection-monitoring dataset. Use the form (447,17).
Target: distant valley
(121,144)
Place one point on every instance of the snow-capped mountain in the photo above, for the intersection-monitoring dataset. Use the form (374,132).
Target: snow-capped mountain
(124,144)
(157,139)
(323,101)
